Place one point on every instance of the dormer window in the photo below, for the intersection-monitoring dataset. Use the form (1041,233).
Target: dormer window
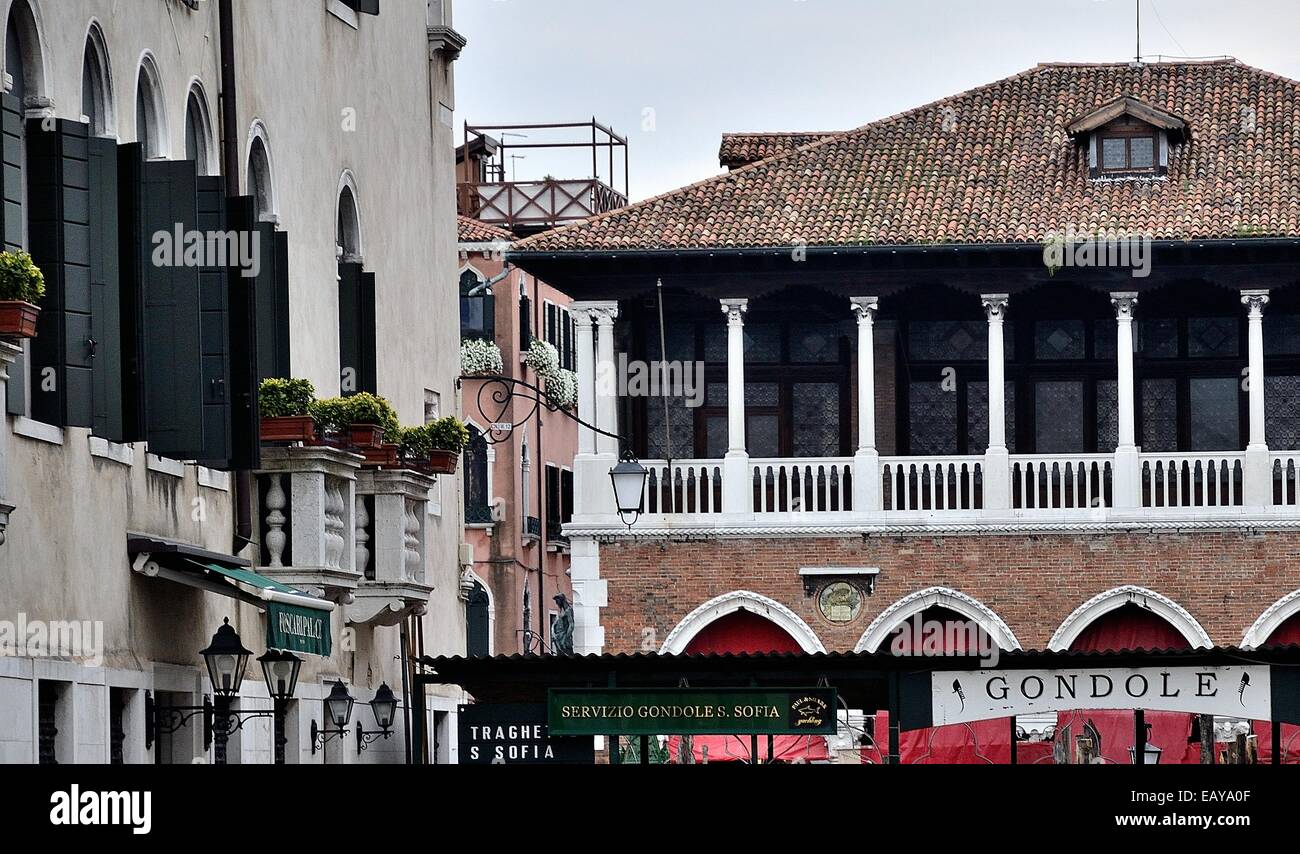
(1128,148)
(1127,138)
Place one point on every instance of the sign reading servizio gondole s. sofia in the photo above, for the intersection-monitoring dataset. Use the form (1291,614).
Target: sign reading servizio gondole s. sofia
(692,711)
(962,696)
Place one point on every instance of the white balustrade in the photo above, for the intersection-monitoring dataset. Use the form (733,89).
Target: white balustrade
(802,485)
(1055,482)
(687,486)
(1192,480)
(932,483)
(1286,478)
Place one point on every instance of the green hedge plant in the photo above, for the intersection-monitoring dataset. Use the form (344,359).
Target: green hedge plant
(339,413)
(281,398)
(20,278)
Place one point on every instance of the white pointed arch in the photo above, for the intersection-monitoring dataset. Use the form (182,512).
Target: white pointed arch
(741,600)
(491,609)
(350,234)
(944,597)
(151,128)
(199,129)
(97,74)
(25,30)
(1271,620)
(260,175)
(1129,594)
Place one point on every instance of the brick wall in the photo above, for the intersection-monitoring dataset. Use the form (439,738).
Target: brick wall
(1225,580)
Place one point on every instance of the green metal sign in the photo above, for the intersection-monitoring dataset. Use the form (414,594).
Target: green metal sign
(691,711)
(290,627)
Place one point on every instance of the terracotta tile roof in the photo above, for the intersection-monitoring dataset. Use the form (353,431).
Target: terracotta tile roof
(740,149)
(995,165)
(470,230)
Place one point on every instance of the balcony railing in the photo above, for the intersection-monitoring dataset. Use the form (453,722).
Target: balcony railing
(1047,487)
(549,202)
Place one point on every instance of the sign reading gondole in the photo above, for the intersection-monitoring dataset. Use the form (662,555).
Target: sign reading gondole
(691,711)
(962,696)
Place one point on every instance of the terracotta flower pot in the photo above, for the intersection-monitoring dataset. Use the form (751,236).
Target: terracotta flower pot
(382,456)
(18,318)
(443,462)
(288,428)
(366,435)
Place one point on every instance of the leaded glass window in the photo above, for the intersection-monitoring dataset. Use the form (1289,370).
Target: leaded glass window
(977,417)
(1282,420)
(1107,416)
(1159,415)
(1212,337)
(1058,417)
(932,412)
(1114,153)
(1059,339)
(1282,335)
(1158,337)
(1142,152)
(1215,414)
(949,340)
(1103,338)
(763,435)
(679,337)
(816,410)
(681,424)
(815,342)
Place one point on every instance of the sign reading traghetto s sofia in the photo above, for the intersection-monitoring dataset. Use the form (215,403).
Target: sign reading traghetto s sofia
(691,711)
(962,696)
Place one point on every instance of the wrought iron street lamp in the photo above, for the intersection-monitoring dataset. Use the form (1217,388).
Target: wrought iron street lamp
(226,660)
(338,710)
(384,706)
(280,669)
(628,478)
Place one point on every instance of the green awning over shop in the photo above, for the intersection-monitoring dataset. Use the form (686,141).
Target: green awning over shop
(295,621)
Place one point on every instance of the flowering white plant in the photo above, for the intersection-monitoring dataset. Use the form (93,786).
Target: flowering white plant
(543,358)
(562,388)
(478,356)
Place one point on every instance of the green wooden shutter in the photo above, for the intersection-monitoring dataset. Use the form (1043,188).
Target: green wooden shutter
(357,367)
(105,310)
(132,255)
(171,368)
(273,303)
(245,346)
(11,131)
(11,223)
(214,317)
(58,233)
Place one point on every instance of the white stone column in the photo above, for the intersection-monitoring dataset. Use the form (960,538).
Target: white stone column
(606,379)
(736,488)
(591,489)
(1258,488)
(1127,484)
(586,347)
(866,460)
(997,461)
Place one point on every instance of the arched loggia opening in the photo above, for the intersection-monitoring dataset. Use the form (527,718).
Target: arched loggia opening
(1130,618)
(744,623)
(1279,625)
(937,622)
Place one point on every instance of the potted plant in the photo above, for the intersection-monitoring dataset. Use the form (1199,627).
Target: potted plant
(447,437)
(286,410)
(22,285)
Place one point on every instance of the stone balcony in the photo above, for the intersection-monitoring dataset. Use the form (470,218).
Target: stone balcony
(390,522)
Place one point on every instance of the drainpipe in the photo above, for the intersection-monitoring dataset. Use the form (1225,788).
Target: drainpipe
(230,168)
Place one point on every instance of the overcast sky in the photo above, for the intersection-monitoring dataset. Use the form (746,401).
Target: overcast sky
(673,75)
